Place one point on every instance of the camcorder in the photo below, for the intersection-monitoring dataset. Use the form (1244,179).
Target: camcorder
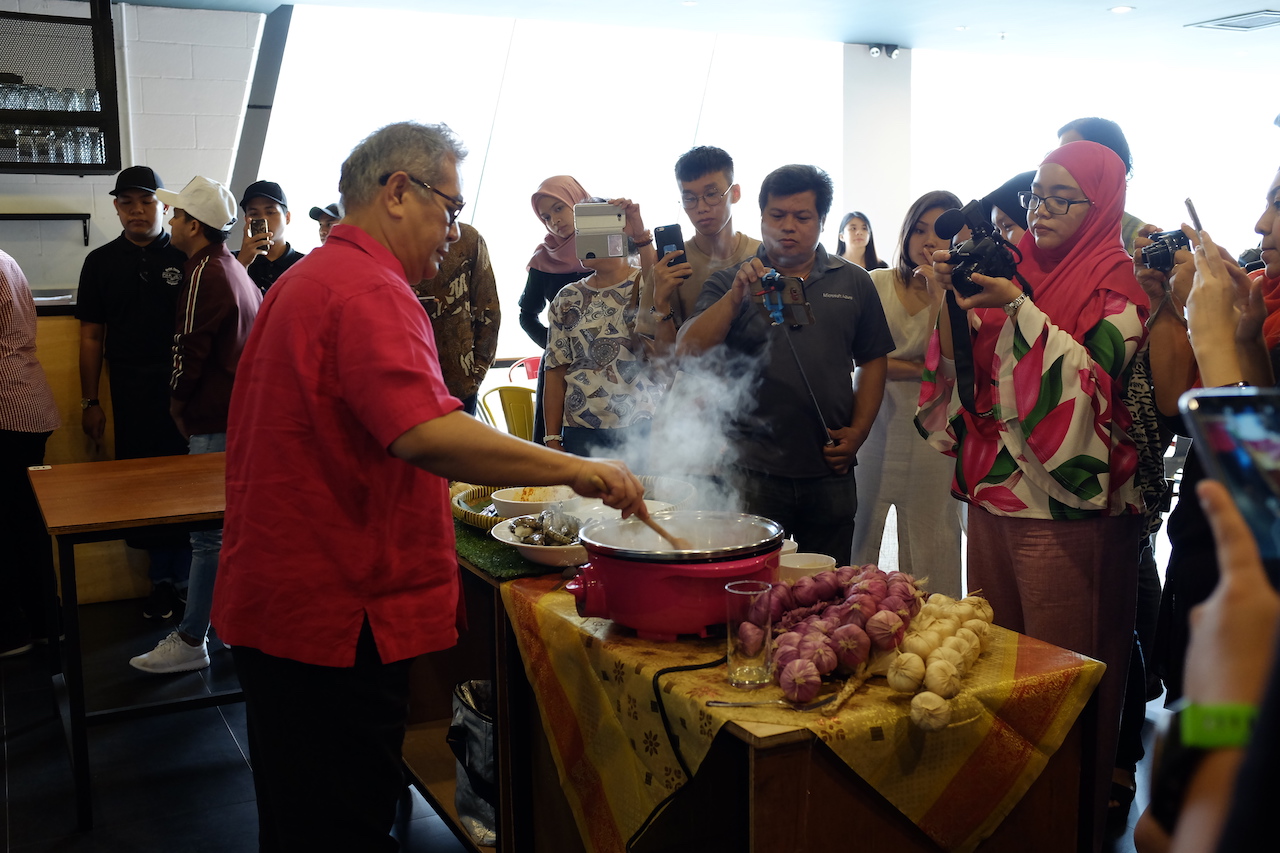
(598,230)
(1164,245)
(985,252)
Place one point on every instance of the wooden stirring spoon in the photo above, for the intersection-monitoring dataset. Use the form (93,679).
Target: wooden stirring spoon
(677,542)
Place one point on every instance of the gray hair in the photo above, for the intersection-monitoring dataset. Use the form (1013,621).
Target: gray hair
(422,150)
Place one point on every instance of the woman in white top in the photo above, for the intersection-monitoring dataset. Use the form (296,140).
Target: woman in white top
(896,467)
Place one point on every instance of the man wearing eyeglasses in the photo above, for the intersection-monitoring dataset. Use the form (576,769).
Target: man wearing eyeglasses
(339,565)
(707,194)
(125,303)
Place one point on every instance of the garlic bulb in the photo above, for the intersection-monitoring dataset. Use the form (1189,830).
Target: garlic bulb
(942,677)
(969,635)
(930,712)
(980,628)
(982,607)
(964,611)
(951,656)
(918,644)
(941,600)
(906,673)
(945,627)
(960,644)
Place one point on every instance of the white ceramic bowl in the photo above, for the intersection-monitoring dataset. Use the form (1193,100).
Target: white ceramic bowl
(545,555)
(799,564)
(531,500)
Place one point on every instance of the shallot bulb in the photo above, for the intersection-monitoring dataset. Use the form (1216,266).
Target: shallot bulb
(930,712)
(943,678)
(765,610)
(822,654)
(896,605)
(852,646)
(790,638)
(901,589)
(751,637)
(906,673)
(785,655)
(875,587)
(846,574)
(782,592)
(885,629)
(827,584)
(800,681)
(863,603)
(805,591)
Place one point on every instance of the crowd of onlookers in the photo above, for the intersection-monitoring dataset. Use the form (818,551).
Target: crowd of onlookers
(1031,409)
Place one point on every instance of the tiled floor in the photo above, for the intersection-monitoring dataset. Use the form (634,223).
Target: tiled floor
(178,782)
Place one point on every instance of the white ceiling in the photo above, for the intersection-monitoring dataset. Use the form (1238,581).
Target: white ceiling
(1154,31)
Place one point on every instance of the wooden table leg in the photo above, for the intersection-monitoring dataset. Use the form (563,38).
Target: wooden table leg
(73,717)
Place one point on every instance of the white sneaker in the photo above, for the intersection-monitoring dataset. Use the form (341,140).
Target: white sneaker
(172,654)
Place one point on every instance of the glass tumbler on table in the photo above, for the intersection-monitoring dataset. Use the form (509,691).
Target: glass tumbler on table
(749,633)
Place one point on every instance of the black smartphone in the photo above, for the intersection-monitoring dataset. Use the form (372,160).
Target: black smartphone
(668,238)
(1237,436)
(257,226)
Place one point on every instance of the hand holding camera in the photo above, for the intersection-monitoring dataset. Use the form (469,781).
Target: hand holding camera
(986,255)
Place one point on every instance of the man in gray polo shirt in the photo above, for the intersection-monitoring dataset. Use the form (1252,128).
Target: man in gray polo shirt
(784,469)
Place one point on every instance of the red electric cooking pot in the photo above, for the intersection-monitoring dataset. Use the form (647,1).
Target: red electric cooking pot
(638,580)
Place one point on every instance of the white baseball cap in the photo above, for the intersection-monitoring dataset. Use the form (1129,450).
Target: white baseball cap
(204,200)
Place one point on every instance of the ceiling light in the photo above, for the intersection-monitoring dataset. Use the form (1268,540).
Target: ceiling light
(1120,10)
(1247,21)
(961,29)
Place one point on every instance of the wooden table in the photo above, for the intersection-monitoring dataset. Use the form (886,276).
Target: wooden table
(98,501)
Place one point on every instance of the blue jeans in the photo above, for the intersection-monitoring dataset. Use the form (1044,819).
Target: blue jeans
(817,512)
(205,546)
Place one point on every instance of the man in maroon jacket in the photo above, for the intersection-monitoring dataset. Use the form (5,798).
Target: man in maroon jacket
(215,313)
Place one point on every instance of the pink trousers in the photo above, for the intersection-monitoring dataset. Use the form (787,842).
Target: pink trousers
(1073,584)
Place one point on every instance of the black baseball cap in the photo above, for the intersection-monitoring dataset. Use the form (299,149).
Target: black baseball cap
(263,189)
(328,210)
(138,178)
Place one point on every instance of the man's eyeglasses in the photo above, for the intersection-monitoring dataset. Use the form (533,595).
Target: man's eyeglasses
(1057,205)
(689,201)
(456,204)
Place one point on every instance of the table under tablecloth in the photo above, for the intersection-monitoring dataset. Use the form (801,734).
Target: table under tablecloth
(593,680)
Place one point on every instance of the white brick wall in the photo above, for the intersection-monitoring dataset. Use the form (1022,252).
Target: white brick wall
(183,85)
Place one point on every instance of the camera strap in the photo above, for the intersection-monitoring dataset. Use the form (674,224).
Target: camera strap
(962,352)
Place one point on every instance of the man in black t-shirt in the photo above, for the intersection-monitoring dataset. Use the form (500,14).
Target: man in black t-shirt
(126,303)
(266,256)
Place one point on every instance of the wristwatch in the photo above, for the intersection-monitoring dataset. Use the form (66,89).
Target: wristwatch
(1011,308)
(87,403)
(547,439)
(662,318)
(1193,731)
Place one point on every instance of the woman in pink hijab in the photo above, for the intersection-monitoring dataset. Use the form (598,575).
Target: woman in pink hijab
(1043,452)
(554,263)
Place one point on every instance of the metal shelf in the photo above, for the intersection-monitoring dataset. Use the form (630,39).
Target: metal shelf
(83,217)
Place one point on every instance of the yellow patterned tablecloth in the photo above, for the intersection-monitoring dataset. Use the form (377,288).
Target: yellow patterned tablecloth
(594,684)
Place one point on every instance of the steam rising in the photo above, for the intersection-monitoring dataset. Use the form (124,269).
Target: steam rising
(692,430)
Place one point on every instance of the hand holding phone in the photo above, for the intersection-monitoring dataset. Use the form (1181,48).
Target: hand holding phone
(668,238)
(1237,438)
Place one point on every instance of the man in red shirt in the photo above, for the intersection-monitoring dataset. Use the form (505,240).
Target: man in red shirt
(338,565)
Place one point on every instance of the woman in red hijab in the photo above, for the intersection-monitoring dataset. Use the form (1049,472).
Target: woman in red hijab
(1044,459)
